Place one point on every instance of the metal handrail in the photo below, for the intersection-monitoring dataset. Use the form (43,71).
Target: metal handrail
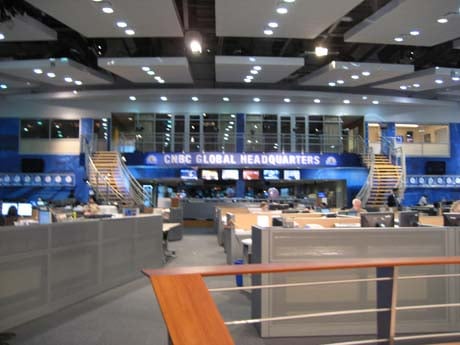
(397,157)
(136,191)
(366,189)
(94,175)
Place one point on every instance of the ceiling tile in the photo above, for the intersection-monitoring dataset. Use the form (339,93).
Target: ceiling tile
(25,28)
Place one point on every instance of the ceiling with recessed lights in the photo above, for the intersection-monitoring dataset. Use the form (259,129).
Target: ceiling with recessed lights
(375,48)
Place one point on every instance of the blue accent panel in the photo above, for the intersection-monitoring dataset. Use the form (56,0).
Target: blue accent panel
(240,187)
(240,128)
(87,127)
(149,173)
(9,136)
(389,130)
(412,195)
(453,164)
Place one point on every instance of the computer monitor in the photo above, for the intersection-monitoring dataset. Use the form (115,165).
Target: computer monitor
(408,218)
(25,209)
(6,206)
(44,217)
(277,221)
(377,220)
(451,219)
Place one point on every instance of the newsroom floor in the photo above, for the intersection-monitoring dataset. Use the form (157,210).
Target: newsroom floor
(129,314)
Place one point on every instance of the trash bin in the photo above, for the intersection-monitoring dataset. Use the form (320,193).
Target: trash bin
(238,277)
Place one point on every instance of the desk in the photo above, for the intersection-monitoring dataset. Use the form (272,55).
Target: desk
(167,227)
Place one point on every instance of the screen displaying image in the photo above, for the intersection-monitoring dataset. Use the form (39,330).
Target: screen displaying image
(188,174)
(209,175)
(6,206)
(25,209)
(292,174)
(271,174)
(251,174)
(230,174)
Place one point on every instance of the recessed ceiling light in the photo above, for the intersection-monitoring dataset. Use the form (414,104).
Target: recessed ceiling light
(75,92)
(107,9)
(38,71)
(256,99)
(226,99)
(151,73)
(403,87)
(257,68)
(442,20)
(157,78)
(78,82)
(161,81)
(51,75)
(268,32)
(130,32)
(97,0)
(252,59)
(416,85)
(455,78)
(2,36)
(164,98)
(364,98)
(366,73)
(399,39)
(287,100)
(375,102)
(122,24)
(146,68)
(273,25)
(68,79)
(346,101)
(414,33)
(289,1)
(195,99)
(3,86)
(355,77)
(253,71)
(282,9)
(250,77)
(247,80)
(317,100)
(331,83)
(439,81)
(321,51)
(340,81)
(132,98)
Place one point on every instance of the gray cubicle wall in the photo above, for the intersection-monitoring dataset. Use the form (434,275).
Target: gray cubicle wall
(46,267)
(275,245)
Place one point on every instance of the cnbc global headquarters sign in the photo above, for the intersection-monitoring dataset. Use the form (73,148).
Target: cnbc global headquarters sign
(242,159)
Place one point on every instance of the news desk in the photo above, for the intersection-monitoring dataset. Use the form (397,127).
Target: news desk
(48,267)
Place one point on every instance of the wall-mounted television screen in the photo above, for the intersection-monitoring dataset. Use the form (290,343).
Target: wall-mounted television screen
(188,174)
(272,174)
(251,175)
(25,209)
(209,175)
(230,174)
(291,174)
(6,206)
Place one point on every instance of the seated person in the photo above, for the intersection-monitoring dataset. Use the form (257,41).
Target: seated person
(357,207)
(264,206)
(423,201)
(12,216)
(455,208)
(91,208)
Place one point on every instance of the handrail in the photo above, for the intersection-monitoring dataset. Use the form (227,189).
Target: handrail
(185,301)
(366,189)
(397,157)
(95,175)
(135,189)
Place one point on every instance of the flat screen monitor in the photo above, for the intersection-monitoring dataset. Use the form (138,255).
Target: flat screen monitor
(44,217)
(451,219)
(25,209)
(6,206)
(251,175)
(209,175)
(291,174)
(230,174)
(277,221)
(188,174)
(408,219)
(271,174)
(321,195)
(377,220)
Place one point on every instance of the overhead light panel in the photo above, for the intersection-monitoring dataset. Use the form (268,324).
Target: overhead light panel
(317,100)
(194,41)
(3,86)
(442,20)
(195,99)
(273,25)
(256,99)
(38,71)
(321,51)
(268,32)
(132,98)
(122,24)
(287,100)
(164,98)
(2,36)
(107,9)
(282,8)
(130,32)
(226,99)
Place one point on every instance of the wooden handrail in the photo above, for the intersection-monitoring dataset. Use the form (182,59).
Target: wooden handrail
(191,314)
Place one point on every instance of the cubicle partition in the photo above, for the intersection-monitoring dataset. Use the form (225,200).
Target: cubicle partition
(46,267)
(281,245)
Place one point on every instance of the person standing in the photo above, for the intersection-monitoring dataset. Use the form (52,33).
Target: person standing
(392,199)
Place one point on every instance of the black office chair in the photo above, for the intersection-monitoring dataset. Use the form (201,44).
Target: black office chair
(4,337)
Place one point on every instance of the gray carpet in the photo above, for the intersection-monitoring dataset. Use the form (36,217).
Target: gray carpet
(130,315)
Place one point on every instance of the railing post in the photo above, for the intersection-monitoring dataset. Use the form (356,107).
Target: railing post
(387,294)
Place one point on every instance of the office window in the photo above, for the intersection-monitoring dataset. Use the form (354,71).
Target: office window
(63,129)
(35,129)
(194,130)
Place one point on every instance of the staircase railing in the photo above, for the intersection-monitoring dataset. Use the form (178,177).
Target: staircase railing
(397,157)
(137,193)
(94,176)
(369,156)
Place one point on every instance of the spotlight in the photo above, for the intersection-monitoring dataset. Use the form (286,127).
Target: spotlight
(194,41)
(321,51)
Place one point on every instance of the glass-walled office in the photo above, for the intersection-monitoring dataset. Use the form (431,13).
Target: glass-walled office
(154,132)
